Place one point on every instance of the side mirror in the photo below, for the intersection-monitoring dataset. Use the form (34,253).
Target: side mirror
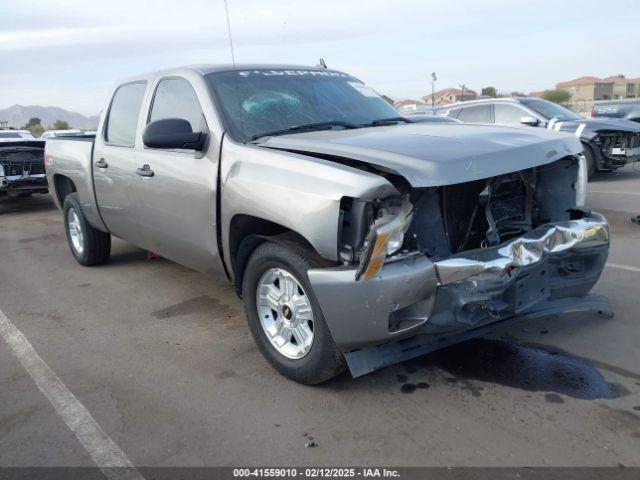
(531,121)
(173,133)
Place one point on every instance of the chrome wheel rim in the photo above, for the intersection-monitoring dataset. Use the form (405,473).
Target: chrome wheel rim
(75,231)
(285,313)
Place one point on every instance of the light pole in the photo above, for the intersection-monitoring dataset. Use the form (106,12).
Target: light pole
(433,89)
(463,87)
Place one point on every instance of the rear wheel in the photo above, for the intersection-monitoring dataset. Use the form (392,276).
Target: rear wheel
(284,316)
(88,245)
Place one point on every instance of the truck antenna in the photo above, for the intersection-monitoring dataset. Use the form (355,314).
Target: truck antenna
(233,57)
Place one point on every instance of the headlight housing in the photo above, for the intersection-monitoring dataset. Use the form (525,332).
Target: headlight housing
(385,238)
(581,181)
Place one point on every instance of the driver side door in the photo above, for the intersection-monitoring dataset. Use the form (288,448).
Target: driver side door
(176,188)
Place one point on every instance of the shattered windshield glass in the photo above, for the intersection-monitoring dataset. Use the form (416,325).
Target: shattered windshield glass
(254,102)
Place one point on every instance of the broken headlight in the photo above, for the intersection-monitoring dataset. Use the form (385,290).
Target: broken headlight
(385,238)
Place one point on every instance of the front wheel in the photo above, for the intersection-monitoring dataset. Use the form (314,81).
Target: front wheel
(88,245)
(284,316)
(591,160)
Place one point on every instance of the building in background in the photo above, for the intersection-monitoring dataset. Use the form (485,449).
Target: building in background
(407,105)
(592,89)
(450,95)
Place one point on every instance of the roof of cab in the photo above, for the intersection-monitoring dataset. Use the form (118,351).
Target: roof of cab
(205,69)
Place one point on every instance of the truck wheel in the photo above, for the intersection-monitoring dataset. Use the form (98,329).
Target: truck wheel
(591,160)
(89,245)
(284,316)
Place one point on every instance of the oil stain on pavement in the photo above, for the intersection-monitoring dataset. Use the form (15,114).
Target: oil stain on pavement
(201,304)
(516,365)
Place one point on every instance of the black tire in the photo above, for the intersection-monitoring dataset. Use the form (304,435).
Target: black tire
(324,360)
(96,244)
(591,160)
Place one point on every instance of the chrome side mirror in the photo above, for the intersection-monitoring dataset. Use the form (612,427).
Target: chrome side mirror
(531,121)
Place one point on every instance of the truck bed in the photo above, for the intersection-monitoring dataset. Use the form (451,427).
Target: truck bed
(72,157)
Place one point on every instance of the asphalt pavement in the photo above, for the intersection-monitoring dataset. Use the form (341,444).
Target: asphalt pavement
(161,359)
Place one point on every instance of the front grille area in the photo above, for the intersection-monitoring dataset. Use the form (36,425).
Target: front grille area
(484,213)
(20,161)
(620,145)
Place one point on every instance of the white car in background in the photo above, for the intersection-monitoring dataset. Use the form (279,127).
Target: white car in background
(15,135)
(61,133)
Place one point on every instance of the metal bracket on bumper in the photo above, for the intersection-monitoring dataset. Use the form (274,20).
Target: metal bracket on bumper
(369,359)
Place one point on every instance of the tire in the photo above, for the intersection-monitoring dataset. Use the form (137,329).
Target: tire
(91,246)
(591,160)
(323,360)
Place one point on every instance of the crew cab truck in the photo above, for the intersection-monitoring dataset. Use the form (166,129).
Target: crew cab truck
(354,237)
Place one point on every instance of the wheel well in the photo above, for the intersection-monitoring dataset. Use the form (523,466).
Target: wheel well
(247,232)
(64,186)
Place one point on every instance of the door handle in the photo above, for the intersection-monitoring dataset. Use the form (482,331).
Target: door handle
(102,163)
(145,171)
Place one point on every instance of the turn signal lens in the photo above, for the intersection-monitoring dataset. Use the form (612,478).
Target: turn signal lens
(383,240)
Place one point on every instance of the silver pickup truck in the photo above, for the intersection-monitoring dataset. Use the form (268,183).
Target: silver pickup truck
(355,237)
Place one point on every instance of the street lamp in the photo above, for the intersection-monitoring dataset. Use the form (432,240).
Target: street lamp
(463,87)
(433,89)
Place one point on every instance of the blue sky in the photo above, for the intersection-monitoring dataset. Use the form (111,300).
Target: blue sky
(68,53)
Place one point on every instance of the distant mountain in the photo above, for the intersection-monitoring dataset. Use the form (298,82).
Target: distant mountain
(18,115)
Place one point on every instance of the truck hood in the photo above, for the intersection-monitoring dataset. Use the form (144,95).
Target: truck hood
(429,155)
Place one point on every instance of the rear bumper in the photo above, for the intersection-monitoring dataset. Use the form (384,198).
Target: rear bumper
(465,292)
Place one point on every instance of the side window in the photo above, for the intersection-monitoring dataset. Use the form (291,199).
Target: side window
(476,114)
(175,98)
(510,114)
(454,113)
(123,114)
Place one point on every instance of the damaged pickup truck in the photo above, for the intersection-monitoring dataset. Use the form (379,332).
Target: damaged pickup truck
(355,237)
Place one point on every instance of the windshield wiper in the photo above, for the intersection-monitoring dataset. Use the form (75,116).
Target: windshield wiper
(309,127)
(386,121)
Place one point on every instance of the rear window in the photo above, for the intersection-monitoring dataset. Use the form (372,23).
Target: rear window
(476,114)
(9,135)
(122,121)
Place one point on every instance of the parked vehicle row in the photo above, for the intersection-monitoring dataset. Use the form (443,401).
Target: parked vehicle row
(356,238)
(609,143)
(625,109)
(22,171)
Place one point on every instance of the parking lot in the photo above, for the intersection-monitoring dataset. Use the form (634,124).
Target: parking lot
(162,359)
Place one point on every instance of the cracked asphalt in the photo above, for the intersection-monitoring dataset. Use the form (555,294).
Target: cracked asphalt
(162,358)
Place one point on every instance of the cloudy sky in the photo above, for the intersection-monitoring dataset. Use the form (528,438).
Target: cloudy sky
(67,53)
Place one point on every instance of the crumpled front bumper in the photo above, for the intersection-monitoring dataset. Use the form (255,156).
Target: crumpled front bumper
(24,183)
(555,264)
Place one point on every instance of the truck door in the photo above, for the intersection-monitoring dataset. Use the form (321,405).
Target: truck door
(176,189)
(114,162)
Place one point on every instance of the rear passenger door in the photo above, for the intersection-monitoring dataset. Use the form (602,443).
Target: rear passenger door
(177,203)
(114,161)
